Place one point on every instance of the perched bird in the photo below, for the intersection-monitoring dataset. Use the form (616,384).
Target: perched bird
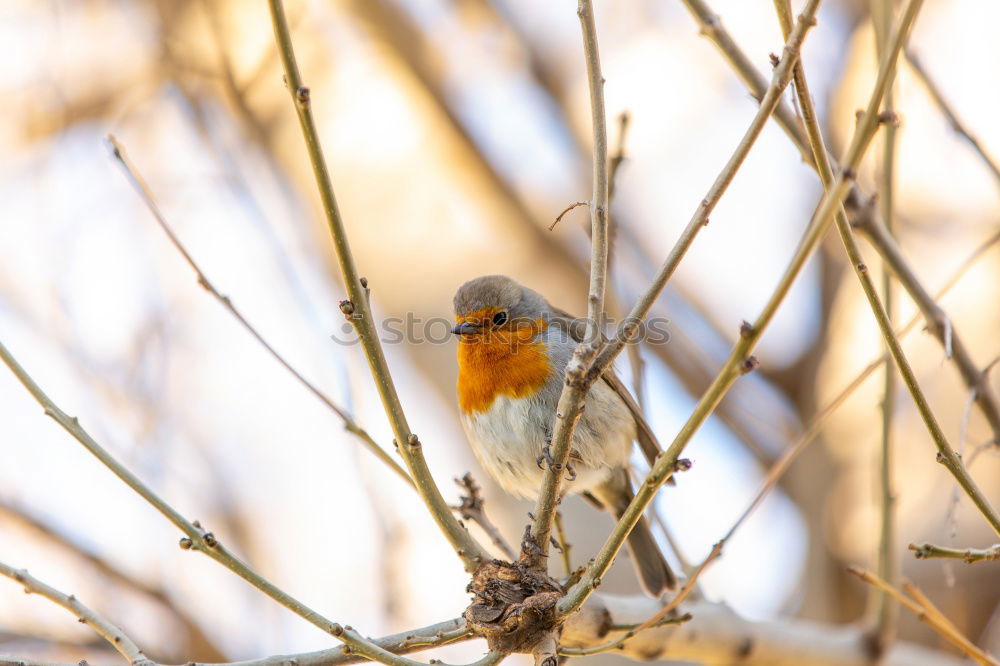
(512,355)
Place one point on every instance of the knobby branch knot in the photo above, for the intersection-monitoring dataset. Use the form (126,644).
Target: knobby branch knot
(513,605)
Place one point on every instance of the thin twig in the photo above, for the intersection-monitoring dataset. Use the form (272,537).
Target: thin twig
(938,322)
(886,614)
(583,369)
(930,615)
(865,218)
(144,191)
(105,629)
(414,640)
(740,361)
(615,163)
(197,638)
(946,454)
(358,310)
(373,651)
(196,537)
(770,101)
(473,507)
(564,545)
(630,633)
(967,555)
(574,390)
(949,112)
(565,210)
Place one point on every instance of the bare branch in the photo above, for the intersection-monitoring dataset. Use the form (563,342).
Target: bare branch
(740,361)
(564,545)
(717,635)
(196,537)
(967,555)
(575,390)
(929,614)
(473,507)
(198,640)
(949,112)
(565,210)
(863,216)
(105,629)
(140,185)
(358,310)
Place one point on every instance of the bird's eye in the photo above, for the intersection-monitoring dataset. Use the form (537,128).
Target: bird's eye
(499,319)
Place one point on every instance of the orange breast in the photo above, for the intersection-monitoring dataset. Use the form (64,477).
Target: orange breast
(502,363)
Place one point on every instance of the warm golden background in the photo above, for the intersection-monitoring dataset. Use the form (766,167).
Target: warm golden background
(456,130)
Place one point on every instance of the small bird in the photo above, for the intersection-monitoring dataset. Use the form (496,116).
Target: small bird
(512,355)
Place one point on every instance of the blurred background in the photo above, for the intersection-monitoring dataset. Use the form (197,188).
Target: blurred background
(456,131)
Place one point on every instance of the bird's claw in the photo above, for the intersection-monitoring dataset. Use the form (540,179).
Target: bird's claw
(546,457)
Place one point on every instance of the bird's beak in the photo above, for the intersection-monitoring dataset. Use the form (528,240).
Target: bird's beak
(465,328)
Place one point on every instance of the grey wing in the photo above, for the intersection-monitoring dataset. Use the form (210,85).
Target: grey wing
(648,443)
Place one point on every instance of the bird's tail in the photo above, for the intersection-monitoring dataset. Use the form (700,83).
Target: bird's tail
(655,574)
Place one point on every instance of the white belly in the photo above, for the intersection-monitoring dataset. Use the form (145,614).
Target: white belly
(509,436)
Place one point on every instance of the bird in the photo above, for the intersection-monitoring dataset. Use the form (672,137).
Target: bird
(513,348)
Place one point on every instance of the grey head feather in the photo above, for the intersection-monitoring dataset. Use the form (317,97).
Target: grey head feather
(499,291)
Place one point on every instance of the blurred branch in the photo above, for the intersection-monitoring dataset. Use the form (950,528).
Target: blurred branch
(109,632)
(564,545)
(885,613)
(358,310)
(769,102)
(863,215)
(715,634)
(938,322)
(968,555)
(473,507)
(198,641)
(197,538)
(946,455)
(927,613)
(139,183)
(949,112)
(740,361)
(575,389)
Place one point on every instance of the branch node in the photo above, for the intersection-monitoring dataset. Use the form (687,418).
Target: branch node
(185,543)
(303,96)
(889,117)
(750,363)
